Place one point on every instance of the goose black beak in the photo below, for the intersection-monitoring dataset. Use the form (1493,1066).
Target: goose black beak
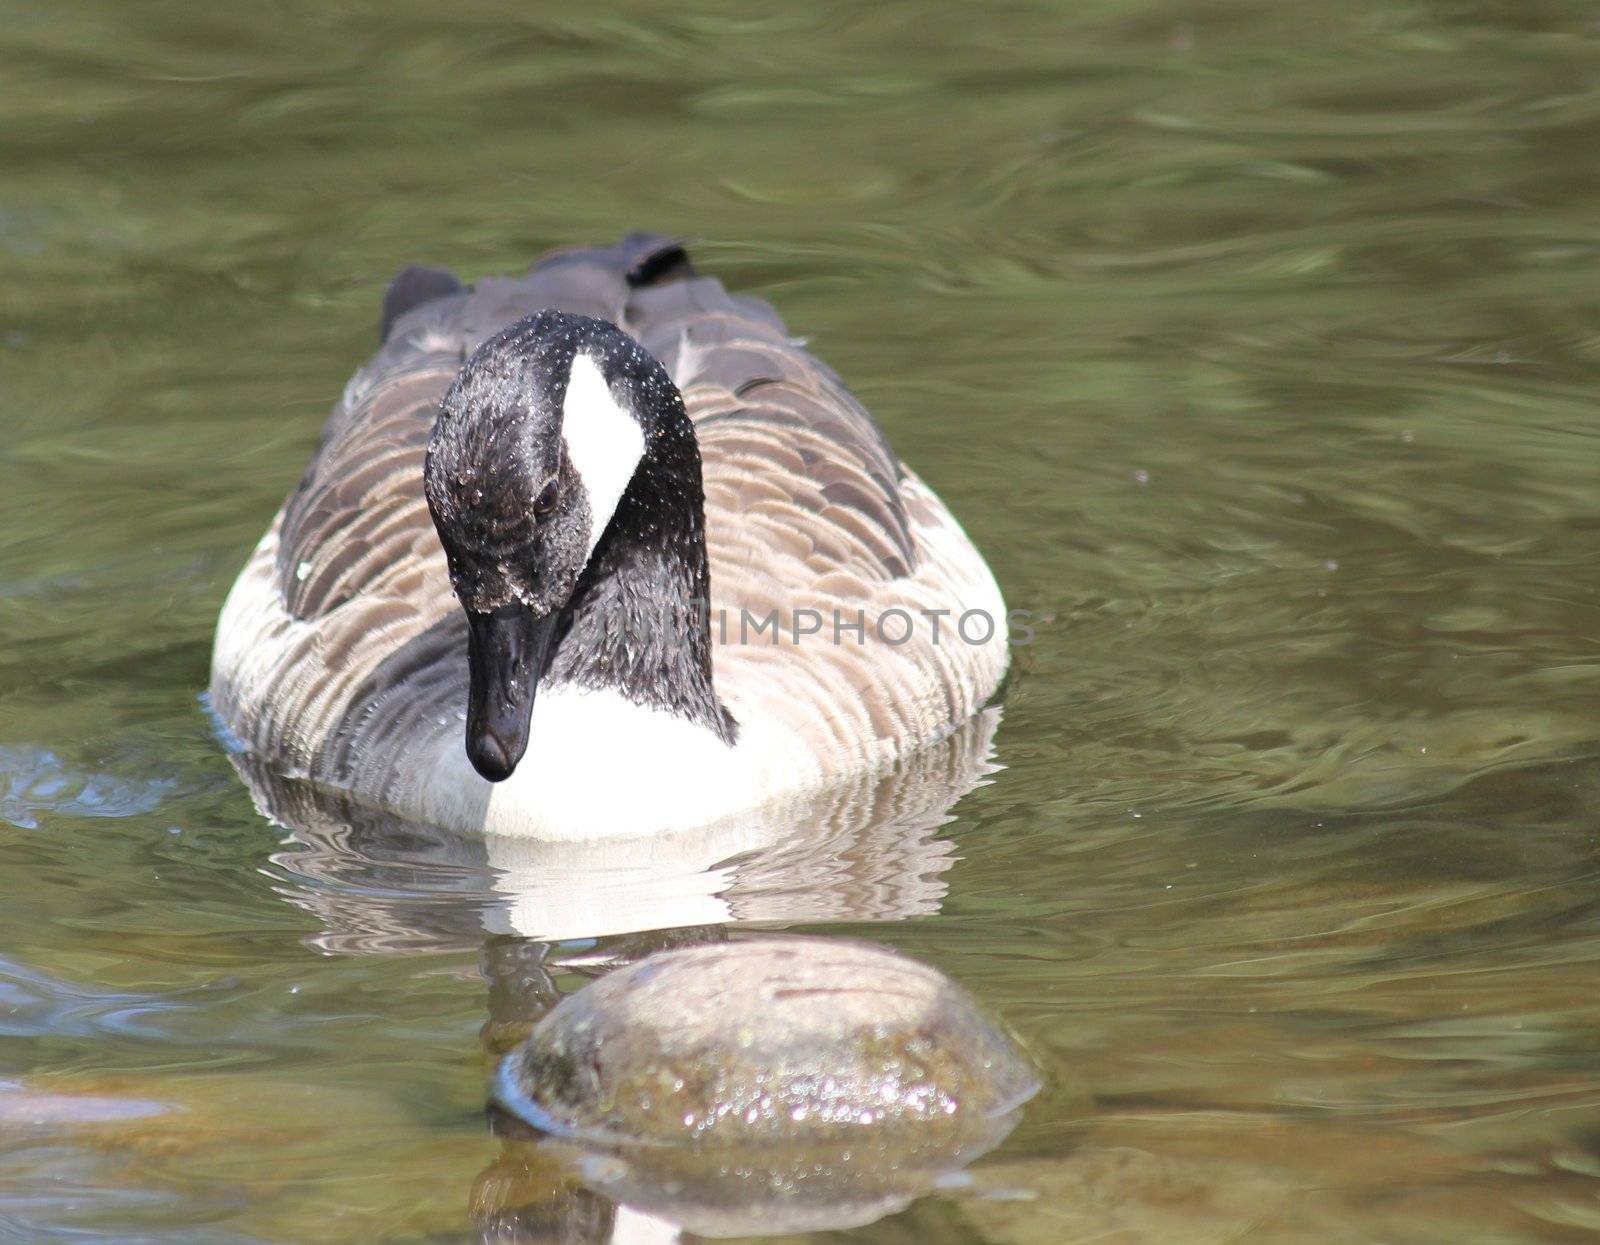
(505,656)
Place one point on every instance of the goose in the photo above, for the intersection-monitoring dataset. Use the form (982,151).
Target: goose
(600,551)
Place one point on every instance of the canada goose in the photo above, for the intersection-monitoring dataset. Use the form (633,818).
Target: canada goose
(656,511)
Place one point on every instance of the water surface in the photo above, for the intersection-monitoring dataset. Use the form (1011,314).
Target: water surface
(1256,344)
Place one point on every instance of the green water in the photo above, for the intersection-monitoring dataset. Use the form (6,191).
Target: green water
(1257,344)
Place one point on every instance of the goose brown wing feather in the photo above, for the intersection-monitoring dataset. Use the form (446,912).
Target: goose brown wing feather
(770,416)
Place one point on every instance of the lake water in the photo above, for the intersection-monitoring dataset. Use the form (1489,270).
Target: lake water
(1256,343)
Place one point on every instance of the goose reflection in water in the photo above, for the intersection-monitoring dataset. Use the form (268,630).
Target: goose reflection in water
(865,850)
(862,850)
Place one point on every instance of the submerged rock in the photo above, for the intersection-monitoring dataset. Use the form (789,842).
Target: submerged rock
(811,1082)
(762,1041)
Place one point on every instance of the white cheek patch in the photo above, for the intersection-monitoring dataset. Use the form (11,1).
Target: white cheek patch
(604,442)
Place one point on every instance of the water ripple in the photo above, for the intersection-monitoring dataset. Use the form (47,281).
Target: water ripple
(38,783)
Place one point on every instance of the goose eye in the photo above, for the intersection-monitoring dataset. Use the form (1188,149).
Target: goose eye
(545,502)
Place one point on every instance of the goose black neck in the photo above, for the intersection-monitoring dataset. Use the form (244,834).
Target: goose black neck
(637,621)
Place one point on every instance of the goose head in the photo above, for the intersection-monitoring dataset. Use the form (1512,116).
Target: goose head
(537,442)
